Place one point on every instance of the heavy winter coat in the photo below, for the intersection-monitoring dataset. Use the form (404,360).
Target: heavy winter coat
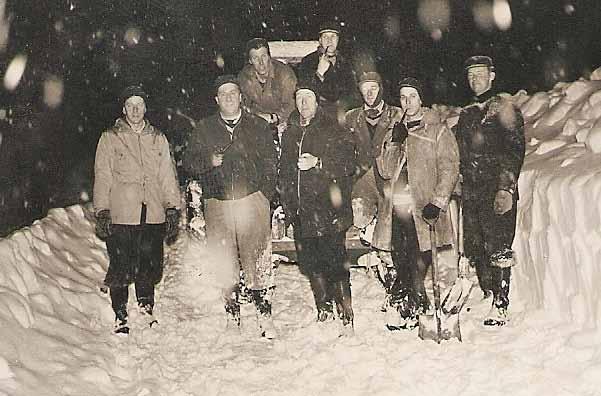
(275,96)
(337,82)
(432,158)
(249,163)
(131,169)
(317,201)
(491,142)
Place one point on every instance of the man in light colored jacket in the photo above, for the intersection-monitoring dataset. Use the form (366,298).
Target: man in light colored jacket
(137,204)
(422,179)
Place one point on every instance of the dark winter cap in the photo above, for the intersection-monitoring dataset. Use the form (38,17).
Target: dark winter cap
(308,84)
(329,26)
(412,83)
(133,90)
(257,43)
(478,60)
(369,76)
(225,79)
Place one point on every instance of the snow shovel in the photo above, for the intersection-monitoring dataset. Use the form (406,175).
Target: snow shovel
(437,326)
(458,294)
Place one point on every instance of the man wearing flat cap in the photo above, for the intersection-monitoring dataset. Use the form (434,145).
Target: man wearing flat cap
(137,204)
(267,85)
(490,135)
(317,165)
(330,70)
(233,156)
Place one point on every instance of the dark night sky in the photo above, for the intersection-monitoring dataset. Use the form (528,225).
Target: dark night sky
(84,43)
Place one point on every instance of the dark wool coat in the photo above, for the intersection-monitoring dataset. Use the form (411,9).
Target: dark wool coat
(317,201)
(338,81)
(249,164)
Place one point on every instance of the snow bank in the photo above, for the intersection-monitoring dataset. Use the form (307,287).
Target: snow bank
(558,241)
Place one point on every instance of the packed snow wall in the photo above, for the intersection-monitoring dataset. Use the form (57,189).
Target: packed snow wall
(558,240)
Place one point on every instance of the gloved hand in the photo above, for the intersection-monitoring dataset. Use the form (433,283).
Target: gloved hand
(172,216)
(503,202)
(103,224)
(399,133)
(430,212)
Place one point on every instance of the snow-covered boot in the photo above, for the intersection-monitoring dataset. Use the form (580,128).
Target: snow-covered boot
(325,312)
(264,319)
(121,326)
(322,295)
(401,313)
(146,310)
(497,316)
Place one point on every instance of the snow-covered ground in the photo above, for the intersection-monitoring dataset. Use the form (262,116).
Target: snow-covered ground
(55,322)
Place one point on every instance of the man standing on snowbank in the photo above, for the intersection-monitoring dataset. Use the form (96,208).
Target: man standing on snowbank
(316,171)
(233,156)
(490,134)
(137,204)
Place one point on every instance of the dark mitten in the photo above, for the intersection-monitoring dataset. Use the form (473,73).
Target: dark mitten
(172,216)
(399,133)
(103,224)
(430,212)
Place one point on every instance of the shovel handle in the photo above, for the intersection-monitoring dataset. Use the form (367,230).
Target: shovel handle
(435,285)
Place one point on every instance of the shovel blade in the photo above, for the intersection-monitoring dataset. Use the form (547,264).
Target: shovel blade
(449,327)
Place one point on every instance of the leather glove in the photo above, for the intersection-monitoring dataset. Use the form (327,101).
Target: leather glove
(103,224)
(430,212)
(399,133)
(172,216)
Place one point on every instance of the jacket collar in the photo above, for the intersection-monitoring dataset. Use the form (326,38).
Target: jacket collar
(122,126)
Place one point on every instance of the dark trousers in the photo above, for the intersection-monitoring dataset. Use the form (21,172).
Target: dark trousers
(410,264)
(325,261)
(486,236)
(136,256)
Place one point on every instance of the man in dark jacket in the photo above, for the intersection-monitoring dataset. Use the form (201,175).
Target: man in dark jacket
(233,155)
(490,135)
(328,69)
(136,201)
(316,171)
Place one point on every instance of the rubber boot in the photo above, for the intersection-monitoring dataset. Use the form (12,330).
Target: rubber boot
(119,296)
(323,298)
(344,305)
(264,319)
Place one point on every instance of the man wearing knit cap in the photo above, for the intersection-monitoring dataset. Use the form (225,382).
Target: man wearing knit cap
(136,201)
(421,161)
(368,125)
(490,134)
(329,69)
(267,85)
(316,169)
(233,156)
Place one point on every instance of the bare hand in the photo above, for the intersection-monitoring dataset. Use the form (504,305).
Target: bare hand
(323,65)
(217,159)
(307,161)
(503,202)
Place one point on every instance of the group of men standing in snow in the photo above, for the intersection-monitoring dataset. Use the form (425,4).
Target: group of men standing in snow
(405,157)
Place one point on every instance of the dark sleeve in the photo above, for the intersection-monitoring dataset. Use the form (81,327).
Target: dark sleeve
(286,185)
(267,160)
(511,123)
(339,159)
(196,158)
(361,148)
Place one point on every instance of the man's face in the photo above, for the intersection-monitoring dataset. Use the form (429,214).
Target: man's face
(134,110)
(329,41)
(260,60)
(228,98)
(411,103)
(369,91)
(480,79)
(306,103)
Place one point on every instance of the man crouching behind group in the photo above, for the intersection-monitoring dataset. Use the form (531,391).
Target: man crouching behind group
(233,156)
(316,171)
